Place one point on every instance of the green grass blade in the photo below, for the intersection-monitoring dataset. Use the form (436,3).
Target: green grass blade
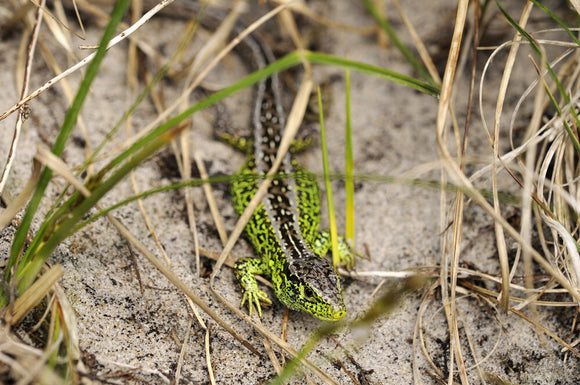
(349,168)
(557,20)
(427,184)
(322,58)
(415,63)
(328,185)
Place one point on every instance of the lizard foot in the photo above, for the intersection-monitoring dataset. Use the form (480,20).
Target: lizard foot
(254,298)
(347,256)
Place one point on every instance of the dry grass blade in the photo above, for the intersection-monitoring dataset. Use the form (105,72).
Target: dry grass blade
(53,21)
(208,358)
(215,43)
(524,302)
(32,297)
(419,338)
(443,108)
(576,4)
(24,90)
(68,324)
(191,212)
(54,24)
(211,200)
(302,8)
(59,167)
(206,340)
(450,307)
(182,353)
(18,203)
(421,49)
(499,232)
(472,348)
(272,355)
(289,25)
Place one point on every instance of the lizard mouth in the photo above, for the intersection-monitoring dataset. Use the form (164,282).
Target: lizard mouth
(337,315)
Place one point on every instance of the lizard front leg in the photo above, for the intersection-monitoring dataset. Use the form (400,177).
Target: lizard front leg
(245,270)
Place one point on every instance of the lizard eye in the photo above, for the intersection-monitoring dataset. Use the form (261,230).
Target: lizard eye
(308,292)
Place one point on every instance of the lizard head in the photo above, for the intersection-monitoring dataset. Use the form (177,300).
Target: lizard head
(312,285)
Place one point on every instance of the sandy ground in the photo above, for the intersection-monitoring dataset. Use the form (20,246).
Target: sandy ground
(129,335)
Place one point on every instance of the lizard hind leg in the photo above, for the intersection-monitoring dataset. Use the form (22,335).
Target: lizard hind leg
(304,139)
(346,255)
(237,137)
(245,271)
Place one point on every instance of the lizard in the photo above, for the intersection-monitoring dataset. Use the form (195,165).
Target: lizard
(284,229)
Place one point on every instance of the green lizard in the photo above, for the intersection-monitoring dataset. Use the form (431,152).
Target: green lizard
(284,228)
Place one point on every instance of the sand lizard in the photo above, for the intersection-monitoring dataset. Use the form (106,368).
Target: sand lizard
(284,227)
